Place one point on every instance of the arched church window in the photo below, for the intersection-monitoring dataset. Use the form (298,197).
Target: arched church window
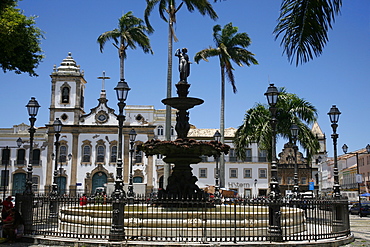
(63,153)
(86,153)
(137,180)
(65,95)
(160,130)
(21,156)
(138,156)
(101,154)
(36,157)
(113,154)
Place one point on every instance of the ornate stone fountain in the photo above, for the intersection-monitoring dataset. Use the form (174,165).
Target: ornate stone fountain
(183,151)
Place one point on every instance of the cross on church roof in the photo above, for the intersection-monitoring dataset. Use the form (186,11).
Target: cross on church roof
(103,80)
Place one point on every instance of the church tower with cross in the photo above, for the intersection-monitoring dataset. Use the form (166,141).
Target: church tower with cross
(88,142)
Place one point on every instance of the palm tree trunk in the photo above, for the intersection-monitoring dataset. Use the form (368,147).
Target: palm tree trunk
(121,61)
(222,127)
(167,167)
(121,68)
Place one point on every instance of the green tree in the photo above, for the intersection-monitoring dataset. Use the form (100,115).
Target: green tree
(229,46)
(304,26)
(19,40)
(290,110)
(169,8)
(131,32)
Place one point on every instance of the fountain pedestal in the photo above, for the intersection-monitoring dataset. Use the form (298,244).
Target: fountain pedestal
(183,151)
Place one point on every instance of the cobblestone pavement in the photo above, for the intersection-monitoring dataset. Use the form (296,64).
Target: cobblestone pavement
(360,227)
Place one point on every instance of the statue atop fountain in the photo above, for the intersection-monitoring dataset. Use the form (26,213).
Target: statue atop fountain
(183,151)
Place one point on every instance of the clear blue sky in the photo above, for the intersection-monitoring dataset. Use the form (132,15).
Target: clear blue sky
(340,76)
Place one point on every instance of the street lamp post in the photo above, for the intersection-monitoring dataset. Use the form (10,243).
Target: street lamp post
(217,137)
(57,129)
(32,107)
(5,160)
(117,232)
(274,208)
(130,193)
(294,130)
(334,117)
(359,181)
(26,208)
(57,125)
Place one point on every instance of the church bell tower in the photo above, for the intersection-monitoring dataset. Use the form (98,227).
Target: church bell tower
(67,92)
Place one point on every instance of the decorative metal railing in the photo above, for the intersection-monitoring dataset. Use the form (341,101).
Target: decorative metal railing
(145,219)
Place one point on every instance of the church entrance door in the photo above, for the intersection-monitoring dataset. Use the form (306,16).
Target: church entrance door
(98,180)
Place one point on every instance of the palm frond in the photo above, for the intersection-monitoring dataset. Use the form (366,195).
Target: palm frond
(304,26)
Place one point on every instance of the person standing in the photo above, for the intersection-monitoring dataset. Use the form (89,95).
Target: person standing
(7,206)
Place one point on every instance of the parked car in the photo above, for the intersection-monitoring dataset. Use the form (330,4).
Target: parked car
(365,208)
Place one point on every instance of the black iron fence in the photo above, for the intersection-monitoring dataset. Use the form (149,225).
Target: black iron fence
(145,219)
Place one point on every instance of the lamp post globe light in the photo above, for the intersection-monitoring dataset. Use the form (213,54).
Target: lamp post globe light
(117,230)
(334,114)
(358,175)
(274,208)
(32,108)
(217,137)
(294,130)
(132,136)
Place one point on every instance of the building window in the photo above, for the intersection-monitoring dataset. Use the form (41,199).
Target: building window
(247,173)
(248,155)
(247,192)
(63,153)
(86,153)
(138,156)
(137,179)
(101,154)
(172,131)
(202,172)
(290,180)
(232,155)
(5,156)
(113,154)
(159,156)
(160,130)
(262,173)
(65,95)
(82,98)
(36,157)
(21,156)
(233,173)
(303,180)
(262,155)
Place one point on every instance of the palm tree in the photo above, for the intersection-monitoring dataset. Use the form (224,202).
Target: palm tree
(170,7)
(131,31)
(230,46)
(290,110)
(304,25)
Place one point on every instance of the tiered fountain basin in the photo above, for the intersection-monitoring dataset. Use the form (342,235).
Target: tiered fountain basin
(152,221)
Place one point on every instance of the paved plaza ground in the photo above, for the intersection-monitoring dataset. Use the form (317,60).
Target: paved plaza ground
(360,227)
